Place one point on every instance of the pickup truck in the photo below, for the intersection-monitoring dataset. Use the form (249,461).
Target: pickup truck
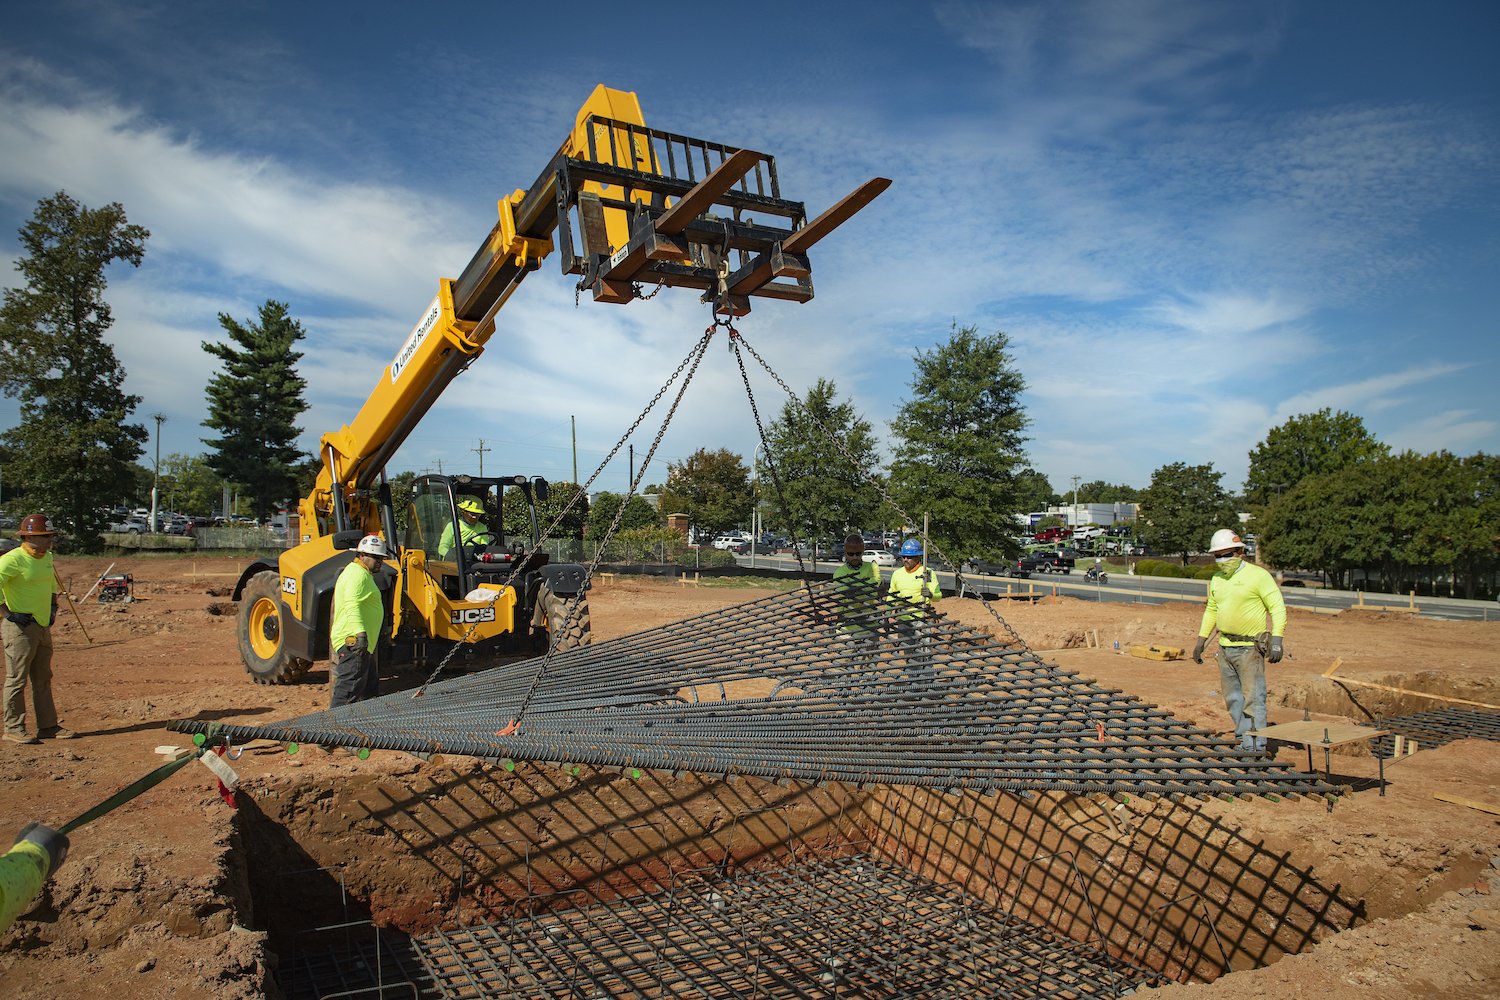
(1044,562)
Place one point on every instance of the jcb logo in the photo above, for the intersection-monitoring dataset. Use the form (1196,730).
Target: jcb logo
(288,585)
(468,616)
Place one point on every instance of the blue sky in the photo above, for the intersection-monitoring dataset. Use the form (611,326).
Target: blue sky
(1194,220)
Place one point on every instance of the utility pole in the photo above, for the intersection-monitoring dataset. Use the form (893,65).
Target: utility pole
(156,467)
(481,450)
(573,421)
(630,483)
(1075,500)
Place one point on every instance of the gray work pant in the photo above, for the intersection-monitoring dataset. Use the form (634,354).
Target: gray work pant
(28,659)
(1242,682)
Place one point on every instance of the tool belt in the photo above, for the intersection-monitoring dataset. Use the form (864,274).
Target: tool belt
(1262,642)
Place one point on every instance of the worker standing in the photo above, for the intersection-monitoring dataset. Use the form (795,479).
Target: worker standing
(358,614)
(1241,596)
(856,589)
(28,588)
(914,588)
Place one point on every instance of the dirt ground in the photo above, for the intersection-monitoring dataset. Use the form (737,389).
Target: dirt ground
(146,904)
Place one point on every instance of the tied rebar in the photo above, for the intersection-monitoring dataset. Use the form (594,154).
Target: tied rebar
(827,683)
(848,926)
(1437,727)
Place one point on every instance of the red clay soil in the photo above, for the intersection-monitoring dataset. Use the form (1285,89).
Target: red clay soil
(149,903)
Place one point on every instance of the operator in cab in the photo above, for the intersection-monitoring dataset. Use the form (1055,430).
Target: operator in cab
(471,530)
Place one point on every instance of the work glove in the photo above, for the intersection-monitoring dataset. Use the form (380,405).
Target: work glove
(49,840)
(1274,655)
(1198,649)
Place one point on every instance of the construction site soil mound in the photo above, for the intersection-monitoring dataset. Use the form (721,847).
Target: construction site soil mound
(175,894)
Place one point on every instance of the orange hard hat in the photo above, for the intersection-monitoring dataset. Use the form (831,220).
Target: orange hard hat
(35,524)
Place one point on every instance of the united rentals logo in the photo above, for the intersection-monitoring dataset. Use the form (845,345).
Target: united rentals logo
(418,334)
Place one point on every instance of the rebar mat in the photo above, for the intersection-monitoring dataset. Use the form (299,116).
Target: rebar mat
(850,927)
(826,683)
(1437,727)
(353,960)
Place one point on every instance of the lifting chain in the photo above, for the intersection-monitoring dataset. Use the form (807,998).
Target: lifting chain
(738,342)
(692,358)
(690,363)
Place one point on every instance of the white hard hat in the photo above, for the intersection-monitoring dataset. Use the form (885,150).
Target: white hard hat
(374,545)
(1225,539)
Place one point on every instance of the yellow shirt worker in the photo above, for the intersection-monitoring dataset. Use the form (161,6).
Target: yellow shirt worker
(28,588)
(358,613)
(1241,596)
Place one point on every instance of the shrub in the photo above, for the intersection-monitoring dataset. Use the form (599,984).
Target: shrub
(1160,567)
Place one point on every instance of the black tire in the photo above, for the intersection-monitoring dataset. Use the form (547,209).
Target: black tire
(1044,568)
(579,629)
(261,649)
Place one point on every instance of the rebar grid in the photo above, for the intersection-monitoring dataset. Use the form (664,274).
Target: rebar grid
(826,683)
(848,926)
(1438,727)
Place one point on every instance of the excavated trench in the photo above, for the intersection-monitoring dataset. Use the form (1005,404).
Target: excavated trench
(466,879)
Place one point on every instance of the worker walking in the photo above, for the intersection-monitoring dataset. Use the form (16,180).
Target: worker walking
(914,588)
(358,614)
(28,588)
(1241,596)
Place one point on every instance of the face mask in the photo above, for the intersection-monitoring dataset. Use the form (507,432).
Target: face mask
(1227,564)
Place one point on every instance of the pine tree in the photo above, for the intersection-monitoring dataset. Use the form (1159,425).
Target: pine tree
(254,403)
(73,450)
(959,445)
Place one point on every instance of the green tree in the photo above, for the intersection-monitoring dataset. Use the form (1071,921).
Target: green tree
(1034,492)
(190,485)
(73,450)
(958,444)
(1309,444)
(517,515)
(401,485)
(1099,491)
(1392,521)
(1183,507)
(711,487)
(254,404)
(822,492)
(638,514)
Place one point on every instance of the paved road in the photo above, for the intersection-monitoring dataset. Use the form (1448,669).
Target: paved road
(1159,590)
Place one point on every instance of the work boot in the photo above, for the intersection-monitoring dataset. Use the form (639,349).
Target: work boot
(24,738)
(57,733)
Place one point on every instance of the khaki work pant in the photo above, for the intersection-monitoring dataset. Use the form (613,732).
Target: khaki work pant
(28,659)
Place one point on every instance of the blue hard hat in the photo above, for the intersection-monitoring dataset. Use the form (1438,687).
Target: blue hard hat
(911,547)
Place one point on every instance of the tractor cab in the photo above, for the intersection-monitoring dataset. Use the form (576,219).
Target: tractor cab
(458,523)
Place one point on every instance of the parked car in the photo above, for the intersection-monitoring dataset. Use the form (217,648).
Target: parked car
(130,526)
(880,557)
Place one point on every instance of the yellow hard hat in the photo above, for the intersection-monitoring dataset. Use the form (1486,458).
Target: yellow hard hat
(471,505)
